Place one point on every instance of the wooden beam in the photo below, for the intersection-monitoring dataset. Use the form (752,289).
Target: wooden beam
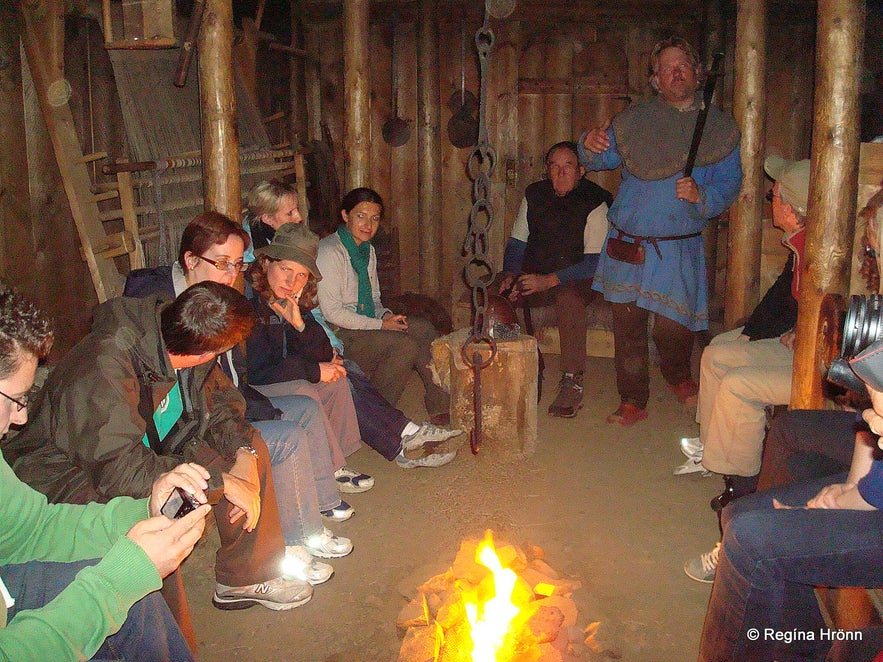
(746,229)
(357,100)
(217,99)
(832,188)
(429,189)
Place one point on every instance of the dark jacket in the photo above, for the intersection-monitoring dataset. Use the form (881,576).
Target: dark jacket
(277,352)
(84,441)
(777,311)
(159,280)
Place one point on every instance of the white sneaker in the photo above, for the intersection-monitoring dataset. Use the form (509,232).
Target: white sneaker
(691,466)
(431,460)
(703,567)
(350,481)
(300,564)
(691,446)
(328,546)
(428,434)
(278,594)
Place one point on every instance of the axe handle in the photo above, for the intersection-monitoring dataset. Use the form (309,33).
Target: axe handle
(707,94)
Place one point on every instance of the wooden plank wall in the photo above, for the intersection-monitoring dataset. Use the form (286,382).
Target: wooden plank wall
(546,84)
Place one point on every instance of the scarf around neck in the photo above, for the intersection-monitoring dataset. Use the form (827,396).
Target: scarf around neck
(359,257)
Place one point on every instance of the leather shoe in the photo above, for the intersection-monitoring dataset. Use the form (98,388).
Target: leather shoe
(687,392)
(627,415)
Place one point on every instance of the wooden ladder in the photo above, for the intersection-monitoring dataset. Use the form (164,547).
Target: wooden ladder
(43,41)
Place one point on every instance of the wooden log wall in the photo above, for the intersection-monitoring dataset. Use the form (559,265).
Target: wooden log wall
(548,81)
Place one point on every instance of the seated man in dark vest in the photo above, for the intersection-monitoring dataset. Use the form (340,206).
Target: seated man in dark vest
(551,257)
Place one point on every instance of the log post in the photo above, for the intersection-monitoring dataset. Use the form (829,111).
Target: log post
(429,218)
(832,187)
(357,103)
(297,118)
(749,105)
(217,100)
(16,247)
(715,28)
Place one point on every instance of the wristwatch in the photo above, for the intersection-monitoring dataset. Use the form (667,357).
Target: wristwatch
(248,449)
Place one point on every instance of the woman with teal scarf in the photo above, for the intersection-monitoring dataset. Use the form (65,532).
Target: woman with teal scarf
(387,346)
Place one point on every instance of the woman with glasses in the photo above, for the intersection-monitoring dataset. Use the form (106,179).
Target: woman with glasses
(294,426)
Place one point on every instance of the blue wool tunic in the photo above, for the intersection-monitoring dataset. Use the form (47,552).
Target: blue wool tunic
(674,286)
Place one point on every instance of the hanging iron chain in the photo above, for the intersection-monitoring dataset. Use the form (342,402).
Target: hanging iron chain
(479,271)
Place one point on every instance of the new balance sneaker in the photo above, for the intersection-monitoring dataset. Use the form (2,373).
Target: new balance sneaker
(703,567)
(300,564)
(691,446)
(278,594)
(339,513)
(430,460)
(428,434)
(328,546)
(350,481)
(693,465)
(570,396)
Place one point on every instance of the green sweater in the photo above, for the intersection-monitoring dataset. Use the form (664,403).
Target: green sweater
(75,624)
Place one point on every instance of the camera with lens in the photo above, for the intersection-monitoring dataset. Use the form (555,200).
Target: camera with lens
(862,326)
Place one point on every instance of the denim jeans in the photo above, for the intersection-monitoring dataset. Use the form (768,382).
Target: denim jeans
(380,424)
(769,563)
(805,444)
(307,413)
(293,478)
(149,632)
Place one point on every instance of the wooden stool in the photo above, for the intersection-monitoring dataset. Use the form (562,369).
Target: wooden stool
(508,392)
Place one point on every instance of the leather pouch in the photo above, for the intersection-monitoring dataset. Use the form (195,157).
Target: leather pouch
(625,251)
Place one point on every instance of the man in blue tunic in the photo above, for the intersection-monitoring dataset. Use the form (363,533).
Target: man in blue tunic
(664,213)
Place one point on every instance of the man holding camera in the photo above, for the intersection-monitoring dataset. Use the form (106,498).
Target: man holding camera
(81,581)
(141,393)
(551,257)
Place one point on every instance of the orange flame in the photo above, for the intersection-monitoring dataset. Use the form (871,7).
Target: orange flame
(491,620)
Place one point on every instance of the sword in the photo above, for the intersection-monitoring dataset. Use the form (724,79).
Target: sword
(715,73)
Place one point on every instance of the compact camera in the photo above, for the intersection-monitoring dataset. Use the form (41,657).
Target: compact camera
(862,326)
(179,504)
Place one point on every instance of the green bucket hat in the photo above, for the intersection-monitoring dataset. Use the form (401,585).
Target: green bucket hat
(295,242)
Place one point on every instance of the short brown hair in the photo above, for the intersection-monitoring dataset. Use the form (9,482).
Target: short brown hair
(24,330)
(206,317)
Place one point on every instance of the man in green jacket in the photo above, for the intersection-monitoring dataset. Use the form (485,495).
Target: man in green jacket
(139,395)
(71,576)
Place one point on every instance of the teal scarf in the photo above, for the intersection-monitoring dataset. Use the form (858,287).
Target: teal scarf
(359,257)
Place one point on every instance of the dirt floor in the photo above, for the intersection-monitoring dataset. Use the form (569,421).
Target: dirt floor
(600,499)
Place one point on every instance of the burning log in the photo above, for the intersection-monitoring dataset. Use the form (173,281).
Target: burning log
(494,605)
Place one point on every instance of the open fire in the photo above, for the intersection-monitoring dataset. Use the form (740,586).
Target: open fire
(494,605)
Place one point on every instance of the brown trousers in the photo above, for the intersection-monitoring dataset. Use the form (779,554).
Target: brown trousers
(630,340)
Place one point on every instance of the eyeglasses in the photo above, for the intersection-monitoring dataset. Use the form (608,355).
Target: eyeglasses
(224,265)
(20,403)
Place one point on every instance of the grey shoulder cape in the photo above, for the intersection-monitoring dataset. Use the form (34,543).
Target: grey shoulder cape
(653,138)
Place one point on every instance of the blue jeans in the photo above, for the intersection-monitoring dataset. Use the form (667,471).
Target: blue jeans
(148,633)
(380,424)
(307,413)
(293,476)
(769,563)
